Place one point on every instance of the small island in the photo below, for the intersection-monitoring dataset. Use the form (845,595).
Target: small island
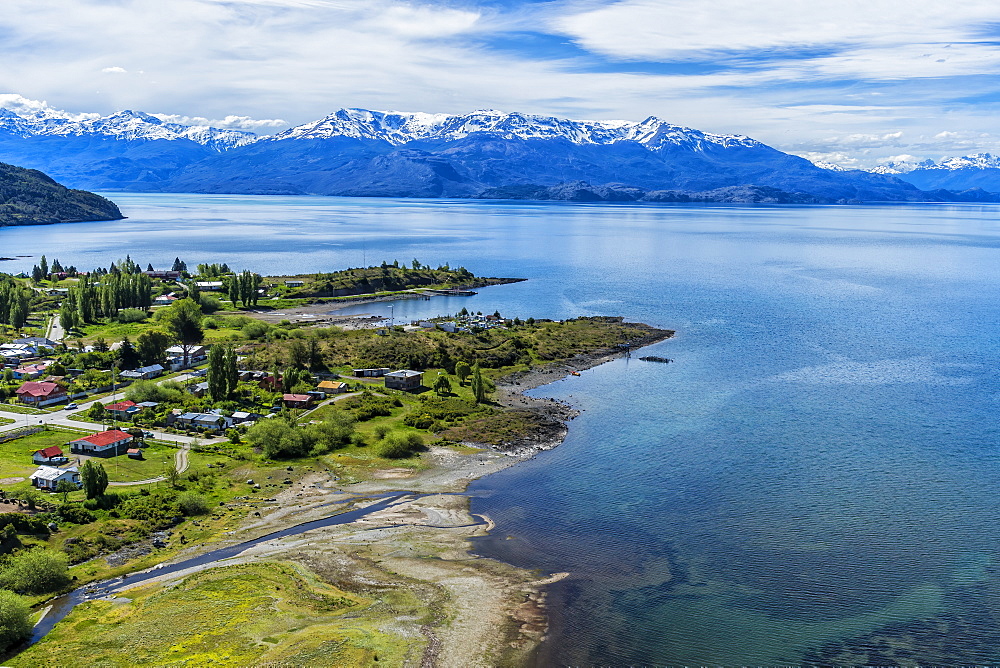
(201,425)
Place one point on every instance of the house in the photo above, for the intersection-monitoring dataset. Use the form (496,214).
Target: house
(165,300)
(143,373)
(241,417)
(30,371)
(294,284)
(134,453)
(209,286)
(297,400)
(175,356)
(370,373)
(210,421)
(199,389)
(101,443)
(40,394)
(449,327)
(15,352)
(163,274)
(48,477)
(404,380)
(147,404)
(123,410)
(50,455)
(333,387)
(37,341)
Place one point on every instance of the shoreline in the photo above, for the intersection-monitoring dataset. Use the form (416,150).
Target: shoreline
(478,611)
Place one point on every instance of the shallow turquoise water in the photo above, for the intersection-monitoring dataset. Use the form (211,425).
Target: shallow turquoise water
(814,477)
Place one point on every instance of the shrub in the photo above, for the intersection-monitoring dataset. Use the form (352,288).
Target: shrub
(255,330)
(15,620)
(132,315)
(35,571)
(71,512)
(399,446)
(192,503)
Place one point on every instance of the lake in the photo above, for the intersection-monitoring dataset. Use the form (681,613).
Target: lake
(812,480)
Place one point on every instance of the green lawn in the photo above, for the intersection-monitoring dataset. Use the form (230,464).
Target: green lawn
(17,408)
(15,456)
(5,420)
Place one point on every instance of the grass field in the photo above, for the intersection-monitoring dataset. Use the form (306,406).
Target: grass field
(255,614)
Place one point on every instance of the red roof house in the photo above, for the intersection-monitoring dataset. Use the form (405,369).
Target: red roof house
(101,443)
(297,400)
(52,453)
(123,409)
(36,393)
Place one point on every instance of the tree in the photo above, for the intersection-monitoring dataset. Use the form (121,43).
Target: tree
(178,265)
(481,387)
(43,264)
(64,487)
(95,479)
(232,372)
(15,620)
(463,371)
(151,346)
(218,383)
(128,358)
(35,571)
(184,323)
(442,385)
(172,474)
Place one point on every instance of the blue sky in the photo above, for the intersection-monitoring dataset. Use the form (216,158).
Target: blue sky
(855,82)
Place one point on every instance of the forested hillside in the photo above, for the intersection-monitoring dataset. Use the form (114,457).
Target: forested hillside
(29,197)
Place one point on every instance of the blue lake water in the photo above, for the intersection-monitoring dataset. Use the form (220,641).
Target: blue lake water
(813,480)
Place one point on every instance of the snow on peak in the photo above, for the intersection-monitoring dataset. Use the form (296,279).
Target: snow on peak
(397,128)
(126,125)
(975,161)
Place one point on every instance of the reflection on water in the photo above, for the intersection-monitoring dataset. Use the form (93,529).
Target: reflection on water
(813,479)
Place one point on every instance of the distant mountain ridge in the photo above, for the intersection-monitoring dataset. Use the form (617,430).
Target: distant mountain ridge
(358,152)
(967,172)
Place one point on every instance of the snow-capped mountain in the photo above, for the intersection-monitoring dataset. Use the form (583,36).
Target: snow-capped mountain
(979,170)
(400,154)
(123,125)
(399,128)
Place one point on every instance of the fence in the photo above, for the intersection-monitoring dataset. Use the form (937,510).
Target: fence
(19,432)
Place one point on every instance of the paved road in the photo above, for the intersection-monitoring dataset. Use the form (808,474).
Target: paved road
(55,331)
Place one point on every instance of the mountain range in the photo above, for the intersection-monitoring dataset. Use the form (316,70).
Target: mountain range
(357,152)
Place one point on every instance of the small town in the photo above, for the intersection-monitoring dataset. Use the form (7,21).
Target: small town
(147,413)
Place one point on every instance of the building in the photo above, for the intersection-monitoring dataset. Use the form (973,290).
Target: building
(404,380)
(209,286)
(163,274)
(143,373)
(102,443)
(29,371)
(39,394)
(37,341)
(243,417)
(50,455)
(294,284)
(209,421)
(165,300)
(48,477)
(297,400)
(123,410)
(333,387)
(370,373)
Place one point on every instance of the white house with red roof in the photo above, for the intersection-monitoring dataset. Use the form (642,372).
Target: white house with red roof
(50,455)
(35,393)
(101,443)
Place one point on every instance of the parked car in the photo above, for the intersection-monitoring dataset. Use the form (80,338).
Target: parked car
(70,407)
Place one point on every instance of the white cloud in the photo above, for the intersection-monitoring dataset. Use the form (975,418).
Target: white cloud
(38,109)
(114,70)
(229,122)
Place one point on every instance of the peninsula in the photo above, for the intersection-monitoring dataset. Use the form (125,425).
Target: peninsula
(29,197)
(267,427)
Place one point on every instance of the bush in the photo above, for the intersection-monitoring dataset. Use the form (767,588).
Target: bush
(192,503)
(209,303)
(24,524)
(132,315)
(35,571)
(255,330)
(71,512)
(399,446)
(15,620)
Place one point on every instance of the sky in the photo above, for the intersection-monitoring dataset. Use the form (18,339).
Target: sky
(853,82)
